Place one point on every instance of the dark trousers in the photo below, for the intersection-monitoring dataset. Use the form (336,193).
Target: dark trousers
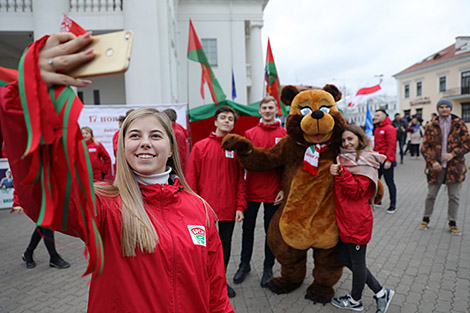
(248,235)
(401,145)
(48,236)
(225,234)
(389,180)
(414,149)
(354,257)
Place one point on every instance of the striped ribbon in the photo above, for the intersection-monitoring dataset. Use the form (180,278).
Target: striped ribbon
(60,160)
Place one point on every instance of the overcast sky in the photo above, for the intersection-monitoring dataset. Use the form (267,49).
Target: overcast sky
(348,42)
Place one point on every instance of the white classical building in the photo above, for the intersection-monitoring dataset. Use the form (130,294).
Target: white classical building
(160,72)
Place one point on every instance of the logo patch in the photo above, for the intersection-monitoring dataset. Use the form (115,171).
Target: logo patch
(278,139)
(229,154)
(92,150)
(198,234)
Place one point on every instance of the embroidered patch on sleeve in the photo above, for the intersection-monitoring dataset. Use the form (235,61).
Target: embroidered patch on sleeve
(198,234)
(229,154)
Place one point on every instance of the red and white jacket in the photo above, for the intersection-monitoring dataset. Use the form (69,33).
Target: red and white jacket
(353,211)
(216,175)
(264,186)
(100,160)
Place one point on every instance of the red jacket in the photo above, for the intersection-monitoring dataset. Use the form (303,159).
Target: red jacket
(385,139)
(100,160)
(353,212)
(180,276)
(264,186)
(216,175)
(181,135)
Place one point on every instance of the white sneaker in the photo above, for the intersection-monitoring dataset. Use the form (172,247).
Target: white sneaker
(384,301)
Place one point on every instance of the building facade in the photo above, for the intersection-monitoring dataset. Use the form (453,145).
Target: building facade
(445,73)
(159,72)
(357,114)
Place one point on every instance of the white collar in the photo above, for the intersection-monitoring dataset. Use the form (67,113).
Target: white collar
(153,179)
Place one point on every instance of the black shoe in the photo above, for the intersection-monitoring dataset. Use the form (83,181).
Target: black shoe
(391,210)
(241,273)
(28,258)
(230,292)
(58,262)
(267,276)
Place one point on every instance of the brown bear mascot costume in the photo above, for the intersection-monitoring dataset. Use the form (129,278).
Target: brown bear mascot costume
(306,218)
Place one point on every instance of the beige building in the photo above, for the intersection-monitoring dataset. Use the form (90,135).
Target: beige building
(445,73)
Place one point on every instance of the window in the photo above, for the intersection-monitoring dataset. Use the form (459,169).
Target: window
(96,96)
(465,83)
(419,113)
(419,89)
(466,112)
(80,96)
(407,91)
(210,48)
(442,84)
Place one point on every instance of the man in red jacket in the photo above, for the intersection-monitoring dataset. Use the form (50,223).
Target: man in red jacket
(216,176)
(385,142)
(261,187)
(182,138)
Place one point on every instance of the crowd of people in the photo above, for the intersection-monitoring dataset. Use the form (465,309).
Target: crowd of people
(166,212)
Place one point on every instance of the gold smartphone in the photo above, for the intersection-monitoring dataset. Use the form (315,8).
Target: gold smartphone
(112,55)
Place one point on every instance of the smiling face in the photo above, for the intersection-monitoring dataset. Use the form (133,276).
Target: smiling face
(86,134)
(147,146)
(316,107)
(268,112)
(349,140)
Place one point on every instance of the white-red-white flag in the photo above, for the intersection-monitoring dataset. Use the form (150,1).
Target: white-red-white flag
(364,94)
(69,25)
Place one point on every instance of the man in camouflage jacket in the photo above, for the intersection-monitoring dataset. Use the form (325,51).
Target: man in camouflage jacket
(445,143)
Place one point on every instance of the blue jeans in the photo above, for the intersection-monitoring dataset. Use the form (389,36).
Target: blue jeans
(389,180)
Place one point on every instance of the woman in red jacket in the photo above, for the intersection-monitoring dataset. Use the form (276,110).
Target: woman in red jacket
(99,157)
(356,177)
(161,248)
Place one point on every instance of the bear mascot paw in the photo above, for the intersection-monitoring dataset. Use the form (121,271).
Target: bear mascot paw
(306,218)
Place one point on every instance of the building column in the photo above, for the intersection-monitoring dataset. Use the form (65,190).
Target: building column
(256,61)
(47,16)
(143,78)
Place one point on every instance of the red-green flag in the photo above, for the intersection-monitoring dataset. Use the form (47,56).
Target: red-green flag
(273,87)
(7,76)
(196,53)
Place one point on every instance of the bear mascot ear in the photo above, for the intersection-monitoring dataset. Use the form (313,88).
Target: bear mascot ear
(288,94)
(334,91)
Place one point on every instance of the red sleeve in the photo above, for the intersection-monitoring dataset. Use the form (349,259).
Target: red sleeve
(193,169)
(218,301)
(16,200)
(115,142)
(391,144)
(353,186)
(241,189)
(106,161)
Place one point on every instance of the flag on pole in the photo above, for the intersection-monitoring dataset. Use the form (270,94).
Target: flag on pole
(7,75)
(69,25)
(273,87)
(364,94)
(369,123)
(234,89)
(197,54)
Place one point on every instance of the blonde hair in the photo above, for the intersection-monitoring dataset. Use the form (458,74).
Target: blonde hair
(88,129)
(137,229)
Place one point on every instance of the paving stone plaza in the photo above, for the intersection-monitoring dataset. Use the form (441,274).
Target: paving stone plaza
(429,270)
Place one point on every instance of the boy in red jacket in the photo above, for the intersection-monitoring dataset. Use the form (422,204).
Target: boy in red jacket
(261,187)
(216,176)
(385,142)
